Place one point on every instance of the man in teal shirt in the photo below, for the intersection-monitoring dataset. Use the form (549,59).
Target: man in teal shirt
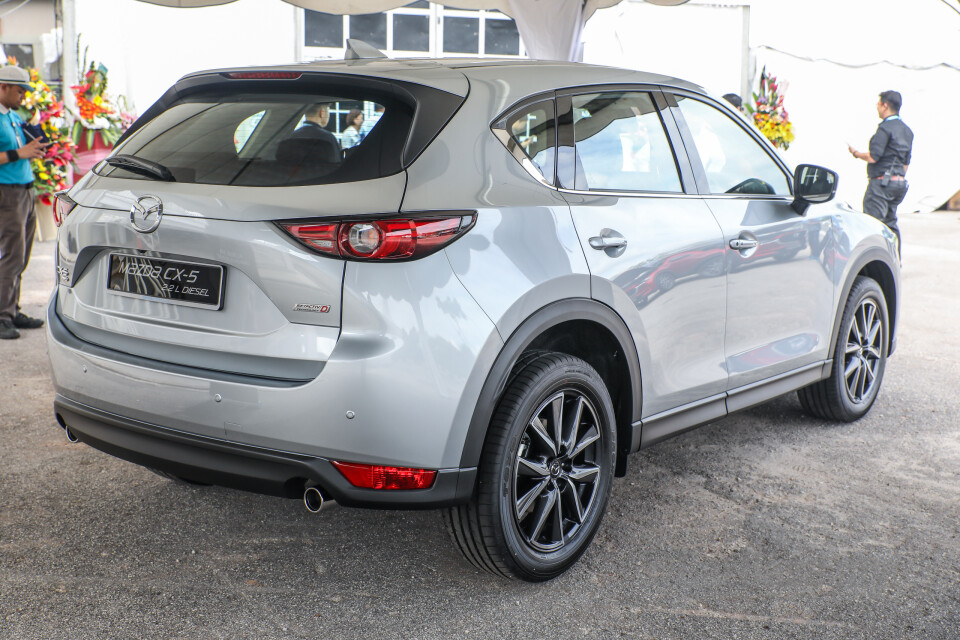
(18,222)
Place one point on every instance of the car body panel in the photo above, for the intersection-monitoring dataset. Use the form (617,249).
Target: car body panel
(247,204)
(515,262)
(264,270)
(679,329)
(780,299)
(420,378)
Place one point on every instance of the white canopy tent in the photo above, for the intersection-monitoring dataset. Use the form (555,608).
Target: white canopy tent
(550,29)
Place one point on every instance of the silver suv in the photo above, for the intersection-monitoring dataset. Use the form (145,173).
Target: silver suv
(520,274)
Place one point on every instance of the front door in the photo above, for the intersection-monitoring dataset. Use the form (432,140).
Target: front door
(780,296)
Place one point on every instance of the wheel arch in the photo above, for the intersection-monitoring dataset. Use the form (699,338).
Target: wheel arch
(580,327)
(873,264)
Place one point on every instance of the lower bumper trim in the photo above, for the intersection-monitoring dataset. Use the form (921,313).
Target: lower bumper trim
(246,467)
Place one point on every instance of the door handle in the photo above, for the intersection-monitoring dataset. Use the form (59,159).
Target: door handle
(607,242)
(742,244)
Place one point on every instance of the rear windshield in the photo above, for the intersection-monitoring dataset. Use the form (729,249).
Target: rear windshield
(272,139)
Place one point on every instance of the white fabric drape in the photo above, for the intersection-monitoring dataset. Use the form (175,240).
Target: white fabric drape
(550,29)
(188,3)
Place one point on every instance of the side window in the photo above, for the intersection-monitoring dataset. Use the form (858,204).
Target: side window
(621,144)
(533,130)
(733,161)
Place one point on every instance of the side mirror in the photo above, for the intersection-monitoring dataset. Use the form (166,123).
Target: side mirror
(812,185)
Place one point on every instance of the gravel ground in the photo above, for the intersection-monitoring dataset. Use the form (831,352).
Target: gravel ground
(768,524)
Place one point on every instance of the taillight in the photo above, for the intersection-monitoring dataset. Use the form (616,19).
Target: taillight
(62,206)
(263,75)
(372,476)
(382,239)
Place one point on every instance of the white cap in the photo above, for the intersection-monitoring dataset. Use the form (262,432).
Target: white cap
(19,76)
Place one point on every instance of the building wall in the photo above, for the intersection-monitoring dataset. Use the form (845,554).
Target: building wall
(146,48)
(31,26)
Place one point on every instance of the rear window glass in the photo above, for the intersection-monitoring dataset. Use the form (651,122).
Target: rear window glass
(261,139)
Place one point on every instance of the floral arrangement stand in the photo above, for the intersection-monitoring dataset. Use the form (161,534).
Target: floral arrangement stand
(768,113)
(98,121)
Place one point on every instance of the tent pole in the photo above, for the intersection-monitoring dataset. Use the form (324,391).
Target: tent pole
(68,57)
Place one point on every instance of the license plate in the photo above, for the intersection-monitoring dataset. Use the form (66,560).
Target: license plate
(172,281)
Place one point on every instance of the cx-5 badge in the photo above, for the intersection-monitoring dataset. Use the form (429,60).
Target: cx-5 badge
(145,214)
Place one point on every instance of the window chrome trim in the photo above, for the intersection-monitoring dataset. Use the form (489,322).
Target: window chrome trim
(671,194)
(632,194)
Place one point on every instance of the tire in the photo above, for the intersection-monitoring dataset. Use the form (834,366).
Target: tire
(537,507)
(859,360)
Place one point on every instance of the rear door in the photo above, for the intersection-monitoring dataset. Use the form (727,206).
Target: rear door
(654,249)
(780,296)
(176,252)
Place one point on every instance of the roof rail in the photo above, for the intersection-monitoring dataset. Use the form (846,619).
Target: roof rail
(358,49)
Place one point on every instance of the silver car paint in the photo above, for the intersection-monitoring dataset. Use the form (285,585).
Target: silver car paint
(523,252)
(678,330)
(262,263)
(412,339)
(780,295)
(246,204)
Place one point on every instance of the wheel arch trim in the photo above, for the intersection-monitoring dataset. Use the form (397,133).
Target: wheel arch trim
(552,315)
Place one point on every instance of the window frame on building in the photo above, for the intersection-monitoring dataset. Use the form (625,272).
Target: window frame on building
(436,15)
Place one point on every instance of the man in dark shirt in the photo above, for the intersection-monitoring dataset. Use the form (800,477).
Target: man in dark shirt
(314,128)
(887,162)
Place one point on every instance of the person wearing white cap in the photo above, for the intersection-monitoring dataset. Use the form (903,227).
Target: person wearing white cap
(18,223)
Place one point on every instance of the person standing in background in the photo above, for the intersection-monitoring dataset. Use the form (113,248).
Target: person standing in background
(887,162)
(18,221)
(352,135)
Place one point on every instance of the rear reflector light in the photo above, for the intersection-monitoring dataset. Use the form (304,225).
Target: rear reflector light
(388,239)
(263,75)
(62,206)
(371,476)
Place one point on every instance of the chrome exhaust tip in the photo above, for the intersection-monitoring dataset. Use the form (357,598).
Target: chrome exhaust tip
(71,436)
(315,501)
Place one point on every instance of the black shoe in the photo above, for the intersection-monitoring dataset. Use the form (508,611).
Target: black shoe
(8,331)
(23,321)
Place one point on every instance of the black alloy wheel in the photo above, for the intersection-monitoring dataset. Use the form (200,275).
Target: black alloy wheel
(557,471)
(545,473)
(863,355)
(860,357)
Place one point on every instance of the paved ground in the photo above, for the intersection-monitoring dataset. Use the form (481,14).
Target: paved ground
(768,524)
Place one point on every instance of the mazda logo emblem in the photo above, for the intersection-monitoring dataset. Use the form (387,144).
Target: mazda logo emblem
(145,214)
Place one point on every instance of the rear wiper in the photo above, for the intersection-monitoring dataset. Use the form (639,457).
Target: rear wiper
(142,166)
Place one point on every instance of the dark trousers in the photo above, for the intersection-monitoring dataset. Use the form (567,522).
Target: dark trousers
(18,225)
(881,202)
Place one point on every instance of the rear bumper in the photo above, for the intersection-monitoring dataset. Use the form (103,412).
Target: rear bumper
(245,467)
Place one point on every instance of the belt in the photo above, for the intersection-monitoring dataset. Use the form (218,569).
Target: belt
(897,178)
(28,185)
